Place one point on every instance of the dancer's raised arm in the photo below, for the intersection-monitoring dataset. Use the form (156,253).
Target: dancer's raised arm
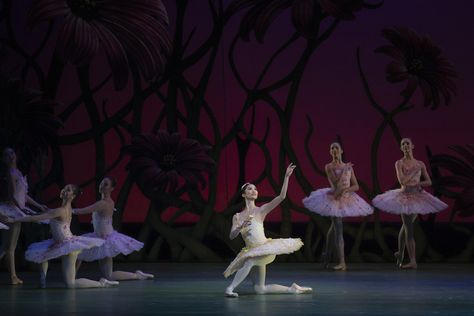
(267,208)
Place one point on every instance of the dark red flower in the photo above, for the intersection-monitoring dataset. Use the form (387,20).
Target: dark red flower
(419,61)
(306,14)
(158,161)
(127,30)
(27,120)
(458,182)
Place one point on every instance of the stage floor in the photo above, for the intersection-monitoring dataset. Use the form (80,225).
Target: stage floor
(197,289)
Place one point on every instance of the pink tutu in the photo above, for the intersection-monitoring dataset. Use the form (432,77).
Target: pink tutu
(49,249)
(408,201)
(115,244)
(271,247)
(322,201)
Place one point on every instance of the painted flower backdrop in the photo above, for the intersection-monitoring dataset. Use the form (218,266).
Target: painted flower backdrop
(155,100)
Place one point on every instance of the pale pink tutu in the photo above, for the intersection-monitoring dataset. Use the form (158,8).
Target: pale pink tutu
(408,201)
(11,211)
(271,247)
(115,243)
(49,249)
(322,201)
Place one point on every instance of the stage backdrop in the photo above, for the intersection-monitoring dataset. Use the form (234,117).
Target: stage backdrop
(250,86)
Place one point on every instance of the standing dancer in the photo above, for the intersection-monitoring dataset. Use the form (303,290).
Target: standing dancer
(64,244)
(259,250)
(409,201)
(338,201)
(115,243)
(13,202)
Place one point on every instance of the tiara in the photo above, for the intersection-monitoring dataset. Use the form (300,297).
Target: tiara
(244,185)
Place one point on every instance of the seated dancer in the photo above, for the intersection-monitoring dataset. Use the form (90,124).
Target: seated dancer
(338,201)
(259,250)
(64,244)
(115,243)
(13,199)
(409,201)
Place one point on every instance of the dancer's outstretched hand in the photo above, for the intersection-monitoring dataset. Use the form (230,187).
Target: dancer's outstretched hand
(290,169)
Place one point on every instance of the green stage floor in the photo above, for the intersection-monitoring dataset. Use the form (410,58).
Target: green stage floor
(197,289)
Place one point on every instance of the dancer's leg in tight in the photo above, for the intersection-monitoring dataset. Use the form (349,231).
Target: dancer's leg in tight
(9,242)
(262,288)
(106,268)
(239,277)
(339,242)
(408,220)
(400,254)
(69,274)
(327,252)
(78,265)
(43,273)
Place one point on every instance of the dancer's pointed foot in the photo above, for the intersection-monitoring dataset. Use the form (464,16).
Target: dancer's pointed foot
(108,283)
(399,258)
(144,276)
(296,289)
(229,292)
(14,280)
(411,265)
(340,267)
(325,260)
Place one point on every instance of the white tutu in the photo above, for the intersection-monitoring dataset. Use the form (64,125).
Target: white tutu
(408,201)
(350,204)
(271,247)
(114,244)
(3,226)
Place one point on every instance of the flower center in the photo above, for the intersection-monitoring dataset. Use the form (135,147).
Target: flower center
(85,9)
(168,162)
(415,65)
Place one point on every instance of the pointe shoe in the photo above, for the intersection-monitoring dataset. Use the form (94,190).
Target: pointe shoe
(144,276)
(340,267)
(230,293)
(296,289)
(107,283)
(409,266)
(14,280)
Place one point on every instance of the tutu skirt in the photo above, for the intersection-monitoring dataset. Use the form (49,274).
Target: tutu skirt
(403,201)
(11,211)
(3,226)
(322,201)
(49,249)
(271,247)
(114,244)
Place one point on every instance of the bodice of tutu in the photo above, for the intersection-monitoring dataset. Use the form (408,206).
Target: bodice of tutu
(415,171)
(343,176)
(21,187)
(102,224)
(60,230)
(254,234)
